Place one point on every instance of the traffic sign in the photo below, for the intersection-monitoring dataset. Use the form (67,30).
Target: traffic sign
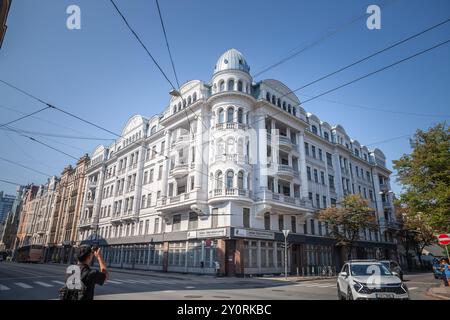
(444,239)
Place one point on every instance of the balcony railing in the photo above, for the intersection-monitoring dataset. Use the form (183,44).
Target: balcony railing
(282,198)
(89,203)
(239,158)
(231,126)
(178,199)
(181,138)
(226,192)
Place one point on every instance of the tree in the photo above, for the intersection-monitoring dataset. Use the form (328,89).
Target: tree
(347,220)
(425,176)
(414,233)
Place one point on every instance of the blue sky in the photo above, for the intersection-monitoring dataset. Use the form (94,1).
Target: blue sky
(102,74)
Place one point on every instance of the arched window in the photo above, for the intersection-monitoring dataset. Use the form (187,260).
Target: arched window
(230,146)
(219,180)
(314,129)
(221,85)
(230,176)
(220,147)
(284,105)
(268,96)
(230,85)
(230,114)
(189,100)
(153,130)
(184,103)
(239,85)
(273,99)
(241,146)
(240,115)
(279,102)
(241,180)
(194,97)
(174,109)
(179,106)
(247,89)
(221,116)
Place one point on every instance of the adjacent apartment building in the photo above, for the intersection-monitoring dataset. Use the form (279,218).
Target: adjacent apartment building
(218,175)
(11,223)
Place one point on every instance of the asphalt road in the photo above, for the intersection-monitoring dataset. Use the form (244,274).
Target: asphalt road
(42,281)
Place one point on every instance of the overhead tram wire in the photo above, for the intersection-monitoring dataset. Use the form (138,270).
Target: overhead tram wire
(55,135)
(312,44)
(25,116)
(10,182)
(25,167)
(44,144)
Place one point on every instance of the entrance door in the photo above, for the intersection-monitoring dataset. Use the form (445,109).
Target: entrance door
(296,259)
(230,266)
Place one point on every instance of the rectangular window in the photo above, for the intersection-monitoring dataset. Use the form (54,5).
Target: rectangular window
(246,217)
(307,148)
(193,221)
(322,177)
(280,222)
(308,172)
(150,180)
(316,177)
(140,227)
(317,200)
(163,147)
(160,172)
(313,227)
(324,201)
(293,224)
(267,221)
(156,226)
(214,218)
(320,155)
(329,160)
(176,222)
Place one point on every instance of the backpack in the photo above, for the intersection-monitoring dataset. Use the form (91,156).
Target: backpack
(74,287)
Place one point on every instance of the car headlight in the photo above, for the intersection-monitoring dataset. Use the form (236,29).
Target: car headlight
(357,285)
(404,287)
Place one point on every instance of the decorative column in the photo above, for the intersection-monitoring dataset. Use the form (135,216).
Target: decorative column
(166,164)
(303,175)
(199,152)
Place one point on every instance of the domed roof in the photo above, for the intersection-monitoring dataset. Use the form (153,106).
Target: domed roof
(231,60)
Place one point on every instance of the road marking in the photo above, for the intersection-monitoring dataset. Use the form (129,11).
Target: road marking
(58,282)
(190,287)
(23,285)
(169,291)
(43,284)
(112,281)
(3,288)
(413,288)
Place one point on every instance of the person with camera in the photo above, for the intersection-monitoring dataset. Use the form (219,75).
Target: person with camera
(80,285)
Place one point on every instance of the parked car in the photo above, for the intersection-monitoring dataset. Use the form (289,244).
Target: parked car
(369,279)
(394,267)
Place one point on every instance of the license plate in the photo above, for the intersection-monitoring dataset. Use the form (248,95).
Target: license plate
(384,296)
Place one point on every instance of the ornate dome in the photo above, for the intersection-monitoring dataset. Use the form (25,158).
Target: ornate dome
(231,60)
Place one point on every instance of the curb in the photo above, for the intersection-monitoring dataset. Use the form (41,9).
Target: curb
(438,296)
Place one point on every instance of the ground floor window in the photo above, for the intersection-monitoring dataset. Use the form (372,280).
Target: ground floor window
(177,254)
(250,254)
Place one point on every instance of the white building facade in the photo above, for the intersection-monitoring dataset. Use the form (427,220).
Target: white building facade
(217,176)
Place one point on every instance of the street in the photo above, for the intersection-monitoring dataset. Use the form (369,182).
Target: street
(42,281)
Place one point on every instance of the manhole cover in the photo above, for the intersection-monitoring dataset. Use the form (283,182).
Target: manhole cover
(193,297)
(222,297)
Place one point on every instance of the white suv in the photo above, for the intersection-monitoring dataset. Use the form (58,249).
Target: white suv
(369,279)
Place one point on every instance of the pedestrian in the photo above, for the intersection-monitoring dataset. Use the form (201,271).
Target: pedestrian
(445,273)
(217,267)
(88,277)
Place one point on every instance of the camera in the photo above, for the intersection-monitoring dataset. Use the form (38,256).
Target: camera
(94,248)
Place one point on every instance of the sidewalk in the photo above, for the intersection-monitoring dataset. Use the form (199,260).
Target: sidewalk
(297,279)
(441,292)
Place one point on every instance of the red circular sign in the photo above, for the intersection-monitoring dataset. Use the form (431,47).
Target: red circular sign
(444,239)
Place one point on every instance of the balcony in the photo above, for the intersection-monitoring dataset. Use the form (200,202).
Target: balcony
(236,158)
(231,126)
(129,216)
(345,171)
(92,184)
(386,205)
(182,139)
(285,171)
(227,193)
(285,143)
(85,223)
(285,200)
(180,170)
(116,218)
(384,187)
(179,202)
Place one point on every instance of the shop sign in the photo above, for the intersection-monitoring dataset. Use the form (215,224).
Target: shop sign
(209,233)
(245,233)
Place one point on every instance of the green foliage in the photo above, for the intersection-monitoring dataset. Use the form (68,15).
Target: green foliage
(347,220)
(425,175)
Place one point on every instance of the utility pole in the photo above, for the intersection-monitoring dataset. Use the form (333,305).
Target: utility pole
(285,233)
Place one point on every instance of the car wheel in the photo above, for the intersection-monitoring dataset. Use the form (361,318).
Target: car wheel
(339,293)
(349,294)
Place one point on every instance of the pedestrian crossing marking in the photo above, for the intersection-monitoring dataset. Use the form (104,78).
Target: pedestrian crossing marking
(413,288)
(3,288)
(43,284)
(23,285)
(58,282)
(112,281)
(190,287)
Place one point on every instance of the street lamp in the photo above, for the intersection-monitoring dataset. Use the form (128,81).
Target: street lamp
(285,233)
(175,93)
